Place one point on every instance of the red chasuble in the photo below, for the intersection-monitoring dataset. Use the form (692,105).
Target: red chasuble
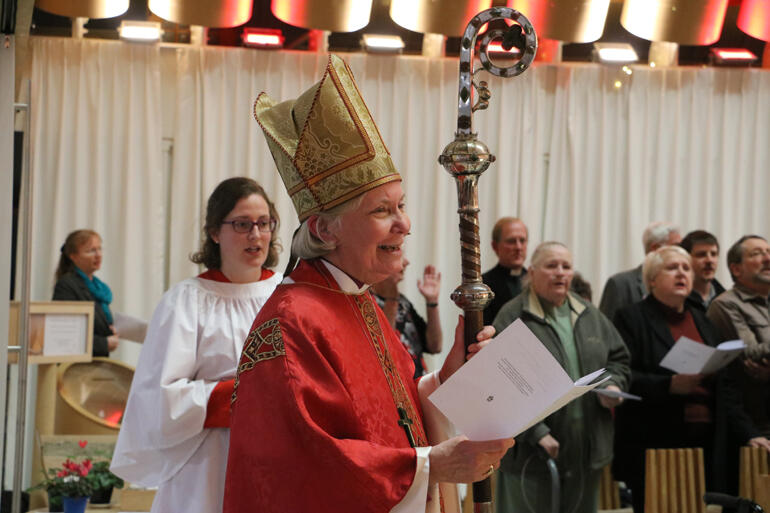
(315,424)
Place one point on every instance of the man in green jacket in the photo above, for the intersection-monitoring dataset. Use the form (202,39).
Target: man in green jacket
(578,437)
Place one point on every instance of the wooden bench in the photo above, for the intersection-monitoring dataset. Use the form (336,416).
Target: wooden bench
(675,481)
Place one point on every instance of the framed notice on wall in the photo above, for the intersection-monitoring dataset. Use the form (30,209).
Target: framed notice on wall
(60,331)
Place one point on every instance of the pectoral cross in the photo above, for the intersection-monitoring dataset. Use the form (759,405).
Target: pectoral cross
(405,422)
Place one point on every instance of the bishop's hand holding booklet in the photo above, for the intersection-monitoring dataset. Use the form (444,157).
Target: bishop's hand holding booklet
(510,385)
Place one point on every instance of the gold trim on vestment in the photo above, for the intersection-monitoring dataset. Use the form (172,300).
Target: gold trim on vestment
(379,343)
(253,345)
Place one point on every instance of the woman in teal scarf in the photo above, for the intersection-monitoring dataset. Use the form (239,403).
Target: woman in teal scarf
(81,257)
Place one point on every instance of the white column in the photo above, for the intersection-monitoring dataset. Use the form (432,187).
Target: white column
(433,45)
(78,27)
(663,54)
(198,35)
(7,73)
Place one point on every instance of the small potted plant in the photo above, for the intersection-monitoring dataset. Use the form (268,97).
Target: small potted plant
(103,482)
(68,487)
(51,486)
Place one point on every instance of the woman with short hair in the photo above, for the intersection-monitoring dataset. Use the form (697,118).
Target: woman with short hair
(175,429)
(676,410)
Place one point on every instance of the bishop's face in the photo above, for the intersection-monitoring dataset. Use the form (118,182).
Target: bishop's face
(369,238)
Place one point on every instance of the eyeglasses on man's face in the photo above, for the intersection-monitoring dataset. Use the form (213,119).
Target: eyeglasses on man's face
(263,224)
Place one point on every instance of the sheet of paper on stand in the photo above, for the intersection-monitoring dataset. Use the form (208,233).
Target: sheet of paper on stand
(64,334)
(616,393)
(690,357)
(130,328)
(508,386)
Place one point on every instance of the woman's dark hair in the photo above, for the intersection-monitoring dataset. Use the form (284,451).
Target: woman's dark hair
(71,245)
(221,202)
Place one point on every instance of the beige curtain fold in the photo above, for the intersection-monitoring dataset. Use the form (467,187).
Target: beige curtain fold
(97,163)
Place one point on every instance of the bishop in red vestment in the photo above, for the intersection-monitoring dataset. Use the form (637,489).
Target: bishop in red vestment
(316,388)
(326,416)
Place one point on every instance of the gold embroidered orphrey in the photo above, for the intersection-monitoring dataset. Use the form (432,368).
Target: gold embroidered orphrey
(401,397)
(264,342)
(325,143)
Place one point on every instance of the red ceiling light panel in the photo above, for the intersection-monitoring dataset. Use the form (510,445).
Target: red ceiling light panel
(732,56)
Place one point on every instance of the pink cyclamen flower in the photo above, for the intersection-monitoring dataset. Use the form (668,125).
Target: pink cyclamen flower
(83,443)
(61,473)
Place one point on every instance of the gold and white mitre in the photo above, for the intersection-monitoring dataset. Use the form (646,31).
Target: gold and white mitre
(325,143)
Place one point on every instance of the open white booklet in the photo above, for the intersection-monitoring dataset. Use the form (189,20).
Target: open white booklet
(129,327)
(508,386)
(690,357)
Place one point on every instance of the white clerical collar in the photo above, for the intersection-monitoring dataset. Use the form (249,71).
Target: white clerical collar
(345,282)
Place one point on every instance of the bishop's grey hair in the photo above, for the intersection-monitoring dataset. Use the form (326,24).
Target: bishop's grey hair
(306,245)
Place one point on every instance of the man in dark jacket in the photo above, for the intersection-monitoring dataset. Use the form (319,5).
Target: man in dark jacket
(703,248)
(509,242)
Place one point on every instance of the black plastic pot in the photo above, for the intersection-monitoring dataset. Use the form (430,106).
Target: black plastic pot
(55,503)
(102,496)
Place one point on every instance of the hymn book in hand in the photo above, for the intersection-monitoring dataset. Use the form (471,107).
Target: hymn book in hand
(691,357)
(508,386)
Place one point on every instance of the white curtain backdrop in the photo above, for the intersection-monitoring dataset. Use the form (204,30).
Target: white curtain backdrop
(578,158)
(97,163)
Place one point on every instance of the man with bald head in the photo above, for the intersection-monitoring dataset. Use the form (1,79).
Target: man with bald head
(509,242)
(626,288)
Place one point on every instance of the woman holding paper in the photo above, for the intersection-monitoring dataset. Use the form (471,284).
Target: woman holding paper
(175,430)
(677,410)
(579,436)
(81,257)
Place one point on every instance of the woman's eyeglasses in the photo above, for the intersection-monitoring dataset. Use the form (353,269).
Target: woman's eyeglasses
(263,224)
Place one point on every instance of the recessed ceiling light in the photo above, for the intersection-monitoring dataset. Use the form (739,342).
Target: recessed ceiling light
(614,53)
(379,43)
(144,31)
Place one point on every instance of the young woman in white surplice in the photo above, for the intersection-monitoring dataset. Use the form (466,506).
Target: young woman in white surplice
(176,430)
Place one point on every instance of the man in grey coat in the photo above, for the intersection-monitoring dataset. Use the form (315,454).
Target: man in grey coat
(744,312)
(626,288)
